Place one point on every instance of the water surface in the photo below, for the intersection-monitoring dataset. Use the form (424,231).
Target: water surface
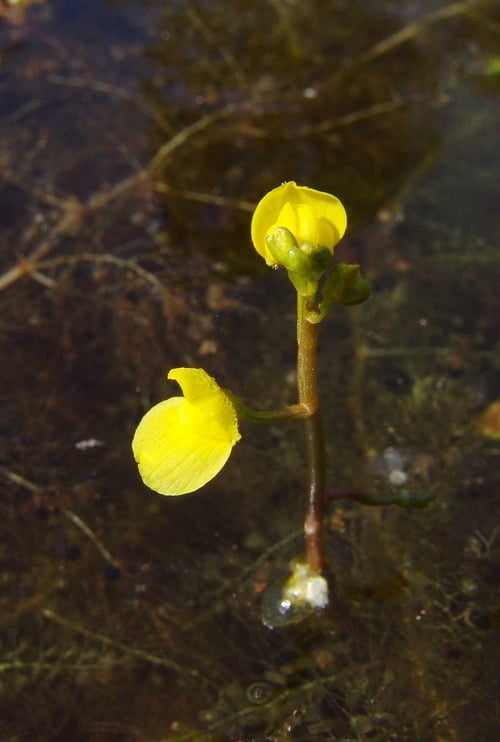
(137,136)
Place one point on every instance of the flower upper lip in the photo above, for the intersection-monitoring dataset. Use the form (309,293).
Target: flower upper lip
(313,217)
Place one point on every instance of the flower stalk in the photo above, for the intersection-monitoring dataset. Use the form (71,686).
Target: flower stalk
(307,383)
(182,443)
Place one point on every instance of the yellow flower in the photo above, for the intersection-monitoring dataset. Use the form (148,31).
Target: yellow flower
(183,442)
(314,218)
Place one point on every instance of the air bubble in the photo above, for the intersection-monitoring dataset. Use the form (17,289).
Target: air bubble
(291,601)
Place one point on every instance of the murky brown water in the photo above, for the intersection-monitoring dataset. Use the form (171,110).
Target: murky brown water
(136,138)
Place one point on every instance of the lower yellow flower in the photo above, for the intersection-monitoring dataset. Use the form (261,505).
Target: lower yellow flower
(183,442)
(314,218)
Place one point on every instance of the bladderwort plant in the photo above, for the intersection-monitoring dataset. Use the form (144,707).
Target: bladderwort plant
(183,442)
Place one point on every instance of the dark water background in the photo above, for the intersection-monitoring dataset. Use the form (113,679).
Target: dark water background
(135,139)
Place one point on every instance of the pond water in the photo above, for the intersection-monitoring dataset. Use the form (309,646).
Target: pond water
(137,138)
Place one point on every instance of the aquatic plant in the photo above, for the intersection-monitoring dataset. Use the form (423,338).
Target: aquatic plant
(183,442)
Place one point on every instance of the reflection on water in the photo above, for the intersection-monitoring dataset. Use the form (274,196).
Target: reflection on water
(136,137)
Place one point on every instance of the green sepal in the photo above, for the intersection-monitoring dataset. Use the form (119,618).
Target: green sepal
(305,264)
(344,285)
(283,247)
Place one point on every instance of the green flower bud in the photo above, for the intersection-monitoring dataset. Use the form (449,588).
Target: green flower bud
(345,285)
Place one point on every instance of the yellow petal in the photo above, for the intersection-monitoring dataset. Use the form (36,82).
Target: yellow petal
(312,216)
(183,442)
(202,391)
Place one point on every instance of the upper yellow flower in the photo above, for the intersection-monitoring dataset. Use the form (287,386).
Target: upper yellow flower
(183,442)
(314,218)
